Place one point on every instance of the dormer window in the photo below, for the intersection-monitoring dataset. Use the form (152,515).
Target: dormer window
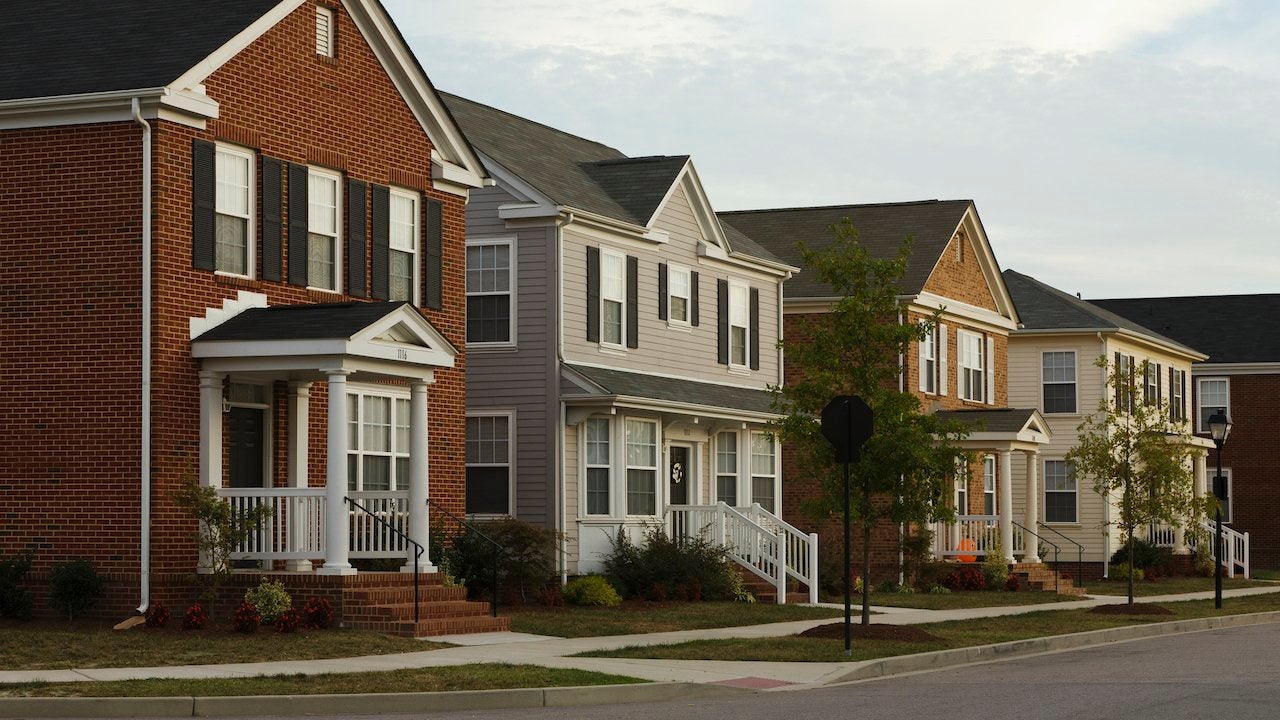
(326,32)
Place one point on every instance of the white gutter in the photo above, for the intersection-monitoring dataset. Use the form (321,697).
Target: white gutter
(145,481)
(563,495)
(1106,505)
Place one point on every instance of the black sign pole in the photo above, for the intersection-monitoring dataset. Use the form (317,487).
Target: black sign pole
(848,573)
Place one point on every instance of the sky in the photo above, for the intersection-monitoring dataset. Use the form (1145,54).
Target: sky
(1116,149)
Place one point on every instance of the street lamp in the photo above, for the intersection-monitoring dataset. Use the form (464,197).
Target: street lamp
(1219,428)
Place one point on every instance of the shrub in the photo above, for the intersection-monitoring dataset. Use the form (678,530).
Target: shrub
(738,589)
(995,569)
(15,602)
(317,614)
(930,574)
(662,561)
(969,579)
(887,586)
(553,596)
(195,617)
(1145,554)
(74,586)
(525,564)
(1012,584)
(1120,571)
(270,598)
(220,527)
(591,590)
(939,590)
(905,589)
(287,621)
(157,615)
(246,618)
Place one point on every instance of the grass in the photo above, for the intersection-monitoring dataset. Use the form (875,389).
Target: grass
(953,634)
(955,600)
(641,617)
(59,645)
(1167,586)
(440,679)
(1264,574)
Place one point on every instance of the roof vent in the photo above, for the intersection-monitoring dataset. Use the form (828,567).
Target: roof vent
(326,31)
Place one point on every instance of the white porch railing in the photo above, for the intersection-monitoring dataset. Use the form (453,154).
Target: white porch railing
(295,530)
(1235,544)
(971,536)
(800,549)
(372,539)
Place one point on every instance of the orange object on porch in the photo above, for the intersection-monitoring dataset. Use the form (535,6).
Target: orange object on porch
(967,544)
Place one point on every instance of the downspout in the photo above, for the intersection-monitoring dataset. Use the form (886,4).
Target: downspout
(902,387)
(145,519)
(563,510)
(1106,505)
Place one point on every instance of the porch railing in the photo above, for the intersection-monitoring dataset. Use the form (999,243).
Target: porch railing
(971,536)
(295,530)
(755,538)
(1235,553)
(800,549)
(378,519)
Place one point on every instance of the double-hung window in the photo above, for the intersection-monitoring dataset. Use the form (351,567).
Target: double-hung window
(613,297)
(1177,406)
(929,361)
(324,230)
(739,324)
(233,211)
(678,294)
(377,440)
(489,464)
(1151,383)
(642,467)
(764,471)
(404,245)
(973,378)
(489,282)
(598,466)
(727,468)
(1212,394)
(962,487)
(1060,492)
(989,485)
(1058,376)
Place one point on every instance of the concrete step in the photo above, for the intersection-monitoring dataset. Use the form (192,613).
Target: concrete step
(381,596)
(433,626)
(433,610)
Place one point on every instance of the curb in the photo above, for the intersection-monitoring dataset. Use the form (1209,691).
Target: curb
(365,704)
(941,659)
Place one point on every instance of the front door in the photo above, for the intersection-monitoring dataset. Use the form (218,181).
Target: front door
(246,446)
(678,475)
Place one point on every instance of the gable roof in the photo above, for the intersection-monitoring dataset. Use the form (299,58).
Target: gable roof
(1043,307)
(1230,328)
(881,229)
(300,322)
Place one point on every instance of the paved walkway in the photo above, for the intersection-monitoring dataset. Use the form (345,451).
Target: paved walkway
(554,652)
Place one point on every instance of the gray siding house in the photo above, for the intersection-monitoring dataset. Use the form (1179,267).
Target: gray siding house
(621,341)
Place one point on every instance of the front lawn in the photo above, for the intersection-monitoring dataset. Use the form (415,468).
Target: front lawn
(956,600)
(436,679)
(634,617)
(953,634)
(1167,585)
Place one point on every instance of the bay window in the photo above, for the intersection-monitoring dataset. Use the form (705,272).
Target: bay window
(599,475)
(642,467)
(764,471)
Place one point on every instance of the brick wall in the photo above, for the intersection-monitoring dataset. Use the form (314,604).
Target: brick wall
(959,275)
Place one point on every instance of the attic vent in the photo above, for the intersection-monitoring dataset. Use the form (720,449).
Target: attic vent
(326,32)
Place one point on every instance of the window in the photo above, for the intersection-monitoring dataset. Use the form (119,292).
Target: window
(642,467)
(1125,383)
(764,471)
(1059,492)
(1151,383)
(727,468)
(962,488)
(1212,394)
(404,245)
(326,32)
(377,441)
(233,211)
(1177,404)
(598,464)
(1226,504)
(489,316)
(973,379)
(489,464)
(929,361)
(678,292)
(739,328)
(989,485)
(613,297)
(1058,375)
(323,237)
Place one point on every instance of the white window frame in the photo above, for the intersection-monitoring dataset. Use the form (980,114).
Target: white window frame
(415,264)
(357,419)
(1151,382)
(736,475)
(1175,394)
(673,271)
(1229,507)
(966,368)
(336,178)
(772,473)
(1201,426)
(1045,491)
(510,292)
(928,369)
(627,467)
(608,256)
(587,466)
(251,159)
(743,292)
(960,495)
(1074,382)
(326,32)
(989,489)
(510,415)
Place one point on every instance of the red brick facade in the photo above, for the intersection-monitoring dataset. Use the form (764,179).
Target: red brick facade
(69,341)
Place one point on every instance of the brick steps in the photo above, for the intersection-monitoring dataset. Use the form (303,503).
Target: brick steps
(1038,577)
(766,592)
(383,602)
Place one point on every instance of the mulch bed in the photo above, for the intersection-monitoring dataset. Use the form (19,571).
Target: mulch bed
(1134,609)
(900,633)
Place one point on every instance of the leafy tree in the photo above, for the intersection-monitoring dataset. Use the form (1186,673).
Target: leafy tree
(854,350)
(1131,447)
(222,528)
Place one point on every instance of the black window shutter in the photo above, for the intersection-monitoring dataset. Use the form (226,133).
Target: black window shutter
(1119,383)
(357,237)
(202,204)
(633,302)
(722,322)
(297,224)
(271,215)
(380,259)
(1182,380)
(755,329)
(593,294)
(693,299)
(432,256)
(662,291)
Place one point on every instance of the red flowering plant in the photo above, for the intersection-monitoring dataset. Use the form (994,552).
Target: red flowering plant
(195,617)
(287,621)
(317,614)
(157,615)
(246,618)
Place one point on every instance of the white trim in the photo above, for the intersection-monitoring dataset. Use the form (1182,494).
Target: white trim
(323,173)
(241,40)
(745,290)
(927,352)
(1199,399)
(1145,341)
(510,415)
(251,220)
(773,473)
(326,32)
(584,466)
(927,302)
(944,340)
(737,466)
(1075,382)
(658,495)
(415,235)
(989,362)
(674,269)
(994,492)
(606,255)
(1243,368)
(392,394)
(671,376)
(961,367)
(1044,492)
(513,268)
(974,231)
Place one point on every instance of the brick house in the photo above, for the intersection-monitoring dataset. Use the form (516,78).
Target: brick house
(232,250)
(960,371)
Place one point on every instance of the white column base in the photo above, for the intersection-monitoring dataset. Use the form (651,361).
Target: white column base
(298,566)
(329,570)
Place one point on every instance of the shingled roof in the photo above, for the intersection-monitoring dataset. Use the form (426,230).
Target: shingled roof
(301,322)
(1229,328)
(69,47)
(629,384)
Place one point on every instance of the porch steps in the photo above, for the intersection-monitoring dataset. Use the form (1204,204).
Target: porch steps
(1039,577)
(383,602)
(766,592)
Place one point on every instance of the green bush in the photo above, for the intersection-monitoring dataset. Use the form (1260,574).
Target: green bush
(270,598)
(1120,571)
(591,590)
(1145,554)
(995,569)
(15,602)
(685,568)
(939,590)
(74,586)
(525,562)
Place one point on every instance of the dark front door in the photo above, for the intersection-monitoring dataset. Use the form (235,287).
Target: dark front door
(678,475)
(246,446)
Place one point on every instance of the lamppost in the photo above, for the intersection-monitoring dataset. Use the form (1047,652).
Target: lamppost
(1219,428)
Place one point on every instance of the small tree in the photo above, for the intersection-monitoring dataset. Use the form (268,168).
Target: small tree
(222,528)
(854,350)
(1130,446)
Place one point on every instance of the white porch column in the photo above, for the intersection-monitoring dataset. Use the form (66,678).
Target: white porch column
(1030,543)
(1202,474)
(210,441)
(1006,504)
(419,466)
(299,451)
(337,531)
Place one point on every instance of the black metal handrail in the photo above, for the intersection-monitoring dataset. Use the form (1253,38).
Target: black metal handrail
(1079,552)
(1040,539)
(498,550)
(417,548)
